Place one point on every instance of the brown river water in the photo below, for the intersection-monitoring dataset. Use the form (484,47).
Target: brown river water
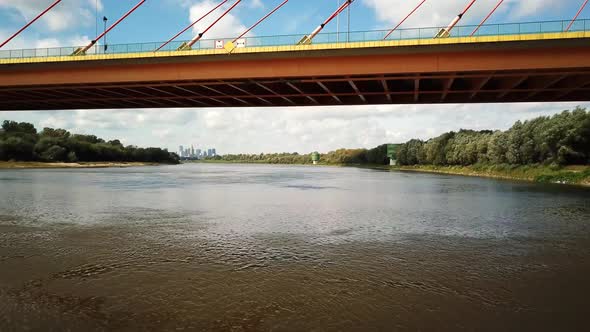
(206,247)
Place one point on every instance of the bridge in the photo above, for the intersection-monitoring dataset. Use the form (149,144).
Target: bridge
(499,63)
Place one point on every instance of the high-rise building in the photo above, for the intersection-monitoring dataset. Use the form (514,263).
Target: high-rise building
(192,152)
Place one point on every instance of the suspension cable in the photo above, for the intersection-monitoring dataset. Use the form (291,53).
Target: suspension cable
(82,51)
(446,32)
(262,19)
(487,17)
(405,18)
(576,17)
(308,39)
(191,25)
(30,23)
(187,46)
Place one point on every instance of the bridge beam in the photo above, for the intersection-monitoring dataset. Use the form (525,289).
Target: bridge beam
(479,85)
(490,72)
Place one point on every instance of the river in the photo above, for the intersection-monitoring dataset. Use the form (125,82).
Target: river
(289,248)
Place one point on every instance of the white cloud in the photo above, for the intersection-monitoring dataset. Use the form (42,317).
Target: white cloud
(26,42)
(524,8)
(16,43)
(54,42)
(440,13)
(66,15)
(96,4)
(229,26)
(255,130)
(256,4)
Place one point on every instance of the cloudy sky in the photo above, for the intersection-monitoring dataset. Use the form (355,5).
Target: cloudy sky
(75,22)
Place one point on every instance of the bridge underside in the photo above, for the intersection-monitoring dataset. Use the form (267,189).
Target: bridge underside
(486,73)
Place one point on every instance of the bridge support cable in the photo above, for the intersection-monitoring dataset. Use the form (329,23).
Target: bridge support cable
(446,32)
(82,50)
(576,17)
(306,40)
(487,17)
(188,45)
(230,46)
(405,18)
(30,23)
(192,25)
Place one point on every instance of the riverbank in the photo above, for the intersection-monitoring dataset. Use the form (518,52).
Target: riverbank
(41,165)
(573,175)
(576,175)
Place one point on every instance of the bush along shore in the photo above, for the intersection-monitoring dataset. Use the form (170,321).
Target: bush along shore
(548,149)
(575,175)
(21,146)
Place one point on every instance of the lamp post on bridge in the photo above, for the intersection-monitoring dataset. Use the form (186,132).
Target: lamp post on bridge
(105,19)
(338,23)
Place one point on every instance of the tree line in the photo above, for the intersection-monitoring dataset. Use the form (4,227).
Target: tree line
(562,139)
(376,156)
(22,142)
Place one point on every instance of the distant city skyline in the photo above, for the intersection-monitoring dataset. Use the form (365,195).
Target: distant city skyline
(195,153)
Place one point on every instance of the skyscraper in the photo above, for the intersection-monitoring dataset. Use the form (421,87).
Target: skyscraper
(181,151)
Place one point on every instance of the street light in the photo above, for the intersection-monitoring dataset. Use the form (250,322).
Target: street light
(338,23)
(105,19)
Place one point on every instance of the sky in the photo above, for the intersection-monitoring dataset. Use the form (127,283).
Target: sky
(255,130)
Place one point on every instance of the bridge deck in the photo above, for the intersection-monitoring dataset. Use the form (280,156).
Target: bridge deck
(483,69)
(303,48)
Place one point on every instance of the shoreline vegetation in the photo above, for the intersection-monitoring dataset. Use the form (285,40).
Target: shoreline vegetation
(63,165)
(546,149)
(571,175)
(20,142)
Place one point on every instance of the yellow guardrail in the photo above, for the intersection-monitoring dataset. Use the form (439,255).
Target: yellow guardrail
(303,48)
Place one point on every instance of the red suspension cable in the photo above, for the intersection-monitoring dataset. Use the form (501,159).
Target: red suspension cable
(338,11)
(200,35)
(192,25)
(487,17)
(262,19)
(468,6)
(29,24)
(308,39)
(446,32)
(575,17)
(87,47)
(402,21)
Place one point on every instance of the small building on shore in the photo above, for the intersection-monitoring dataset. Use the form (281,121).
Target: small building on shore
(392,154)
(315,158)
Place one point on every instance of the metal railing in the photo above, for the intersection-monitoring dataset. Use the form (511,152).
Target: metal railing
(323,38)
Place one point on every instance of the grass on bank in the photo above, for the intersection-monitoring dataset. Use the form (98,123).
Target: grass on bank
(579,175)
(536,173)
